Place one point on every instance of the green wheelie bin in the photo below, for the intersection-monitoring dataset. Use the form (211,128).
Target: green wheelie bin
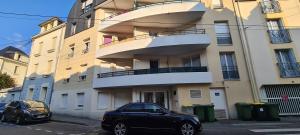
(199,110)
(272,112)
(244,111)
(259,112)
(209,113)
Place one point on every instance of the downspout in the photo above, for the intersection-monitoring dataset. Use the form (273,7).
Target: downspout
(246,50)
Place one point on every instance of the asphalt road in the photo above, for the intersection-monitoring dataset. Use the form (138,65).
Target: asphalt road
(217,128)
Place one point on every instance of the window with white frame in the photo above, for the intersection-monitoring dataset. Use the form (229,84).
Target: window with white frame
(86,46)
(73,28)
(103,100)
(223,33)
(229,66)
(88,21)
(86,5)
(195,93)
(64,100)
(80,100)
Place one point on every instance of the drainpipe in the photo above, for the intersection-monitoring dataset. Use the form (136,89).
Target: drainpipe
(246,51)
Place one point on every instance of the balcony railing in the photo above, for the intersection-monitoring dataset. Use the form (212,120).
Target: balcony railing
(289,69)
(136,7)
(153,71)
(279,36)
(230,72)
(166,33)
(224,38)
(270,6)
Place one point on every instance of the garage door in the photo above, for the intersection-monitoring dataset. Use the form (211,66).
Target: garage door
(286,96)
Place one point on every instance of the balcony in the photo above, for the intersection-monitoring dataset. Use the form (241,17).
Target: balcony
(279,36)
(160,76)
(165,43)
(289,70)
(167,14)
(270,6)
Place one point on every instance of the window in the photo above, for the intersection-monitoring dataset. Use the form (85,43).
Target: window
(86,47)
(82,77)
(64,103)
(43,94)
(223,33)
(107,39)
(54,39)
(80,100)
(270,6)
(153,108)
(39,49)
(72,51)
(217,4)
(16,70)
(195,93)
(49,68)
(103,100)
(287,63)
(277,33)
(18,57)
(36,66)
(192,61)
(88,21)
(134,108)
(229,66)
(73,28)
(30,94)
(86,5)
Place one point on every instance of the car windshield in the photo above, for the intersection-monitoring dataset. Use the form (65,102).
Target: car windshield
(33,104)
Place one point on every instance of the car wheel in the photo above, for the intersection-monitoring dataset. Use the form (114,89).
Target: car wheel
(19,120)
(120,129)
(3,118)
(187,129)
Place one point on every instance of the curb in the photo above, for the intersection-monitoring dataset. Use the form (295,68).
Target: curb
(70,122)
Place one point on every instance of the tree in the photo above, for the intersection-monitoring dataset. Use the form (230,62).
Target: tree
(6,81)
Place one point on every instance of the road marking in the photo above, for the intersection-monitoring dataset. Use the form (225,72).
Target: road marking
(276,130)
(38,129)
(59,133)
(260,124)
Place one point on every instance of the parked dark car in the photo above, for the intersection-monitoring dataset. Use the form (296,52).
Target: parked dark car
(26,111)
(2,107)
(149,117)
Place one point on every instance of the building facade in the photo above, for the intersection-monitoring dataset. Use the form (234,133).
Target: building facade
(44,56)
(177,53)
(14,62)
(271,34)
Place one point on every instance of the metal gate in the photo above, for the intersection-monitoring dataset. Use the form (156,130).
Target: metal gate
(286,96)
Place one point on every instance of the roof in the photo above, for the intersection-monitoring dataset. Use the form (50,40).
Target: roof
(5,52)
(50,20)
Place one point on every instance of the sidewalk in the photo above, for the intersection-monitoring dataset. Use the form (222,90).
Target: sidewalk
(75,120)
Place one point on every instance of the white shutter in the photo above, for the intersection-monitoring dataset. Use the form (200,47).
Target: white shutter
(103,100)
(80,99)
(64,102)
(221,28)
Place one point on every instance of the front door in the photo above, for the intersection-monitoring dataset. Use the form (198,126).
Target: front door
(158,97)
(217,97)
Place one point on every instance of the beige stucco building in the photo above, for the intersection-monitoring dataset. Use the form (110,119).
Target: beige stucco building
(176,53)
(14,62)
(46,46)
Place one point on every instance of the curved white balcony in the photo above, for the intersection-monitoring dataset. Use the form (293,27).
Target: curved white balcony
(170,14)
(149,77)
(166,44)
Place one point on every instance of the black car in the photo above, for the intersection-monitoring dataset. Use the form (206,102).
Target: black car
(2,107)
(149,117)
(26,111)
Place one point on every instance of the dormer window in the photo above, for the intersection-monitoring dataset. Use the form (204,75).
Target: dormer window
(73,28)
(86,5)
